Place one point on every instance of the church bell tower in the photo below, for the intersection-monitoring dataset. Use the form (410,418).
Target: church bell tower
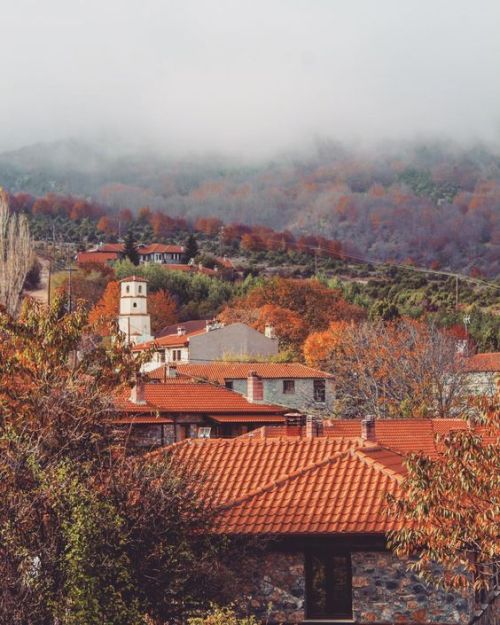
(134,320)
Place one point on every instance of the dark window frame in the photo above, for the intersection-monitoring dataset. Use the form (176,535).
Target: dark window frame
(291,390)
(319,391)
(229,384)
(335,608)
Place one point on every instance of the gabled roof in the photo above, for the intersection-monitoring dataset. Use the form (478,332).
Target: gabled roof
(110,247)
(190,326)
(300,485)
(402,435)
(96,257)
(172,340)
(292,485)
(221,371)
(160,248)
(480,363)
(345,493)
(192,398)
(235,468)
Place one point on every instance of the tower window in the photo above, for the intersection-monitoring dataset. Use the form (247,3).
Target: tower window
(127,289)
(134,305)
(139,288)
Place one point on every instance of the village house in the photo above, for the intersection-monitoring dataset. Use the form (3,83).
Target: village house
(213,342)
(288,384)
(483,373)
(317,493)
(160,253)
(155,413)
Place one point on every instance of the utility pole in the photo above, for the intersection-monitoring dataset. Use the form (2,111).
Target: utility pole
(49,280)
(456,292)
(70,271)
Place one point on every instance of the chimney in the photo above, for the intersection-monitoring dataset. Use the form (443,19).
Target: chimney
(255,388)
(181,330)
(269,331)
(314,426)
(169,371)
(137,395)
(368,428)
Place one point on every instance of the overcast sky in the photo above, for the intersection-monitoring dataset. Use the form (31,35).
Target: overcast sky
(248,76)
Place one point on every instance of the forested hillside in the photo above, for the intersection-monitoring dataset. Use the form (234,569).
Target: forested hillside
(428,205)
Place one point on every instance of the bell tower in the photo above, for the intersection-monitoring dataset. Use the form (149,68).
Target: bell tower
(134,320)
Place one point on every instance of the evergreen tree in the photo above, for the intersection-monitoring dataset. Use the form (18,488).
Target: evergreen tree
(191,250)
(130,249)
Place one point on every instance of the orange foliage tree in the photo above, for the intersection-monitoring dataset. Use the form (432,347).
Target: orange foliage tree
(294,307)
(398,369)
(449,505)
(320,346)
(107,308)
(163,310)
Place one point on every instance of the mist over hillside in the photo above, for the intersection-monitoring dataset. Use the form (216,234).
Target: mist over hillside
(423,202)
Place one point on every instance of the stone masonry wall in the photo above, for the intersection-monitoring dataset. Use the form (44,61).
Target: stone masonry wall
(384,591)
(278,596)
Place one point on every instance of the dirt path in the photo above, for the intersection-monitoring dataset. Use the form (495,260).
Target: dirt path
(41,294)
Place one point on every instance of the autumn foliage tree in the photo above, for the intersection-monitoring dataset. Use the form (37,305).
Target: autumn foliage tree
(89,534)
(163,310)
(398,369)
(295,307)
(449,506)
(106,309)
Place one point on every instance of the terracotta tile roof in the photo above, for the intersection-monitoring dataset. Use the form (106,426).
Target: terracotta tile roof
(193,398)
(483,363)
(96,257)
(295,485)
(139,419)
(221,371)
(110,247)
(265,418)
(345,493)
(160,248)
(190,326)
(172,340)
(235,468)
(401,435)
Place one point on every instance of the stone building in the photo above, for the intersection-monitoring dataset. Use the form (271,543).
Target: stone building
(318,493)
(483,373)
(158,413)
(288,384)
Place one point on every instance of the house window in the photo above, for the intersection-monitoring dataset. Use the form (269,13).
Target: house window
(328,584)
(229,384)
(288,387)
(161,356)
(176,354)
(319,391)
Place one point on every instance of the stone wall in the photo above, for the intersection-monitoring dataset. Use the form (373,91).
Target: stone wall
(279,594)
(302,399)
(384,592)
